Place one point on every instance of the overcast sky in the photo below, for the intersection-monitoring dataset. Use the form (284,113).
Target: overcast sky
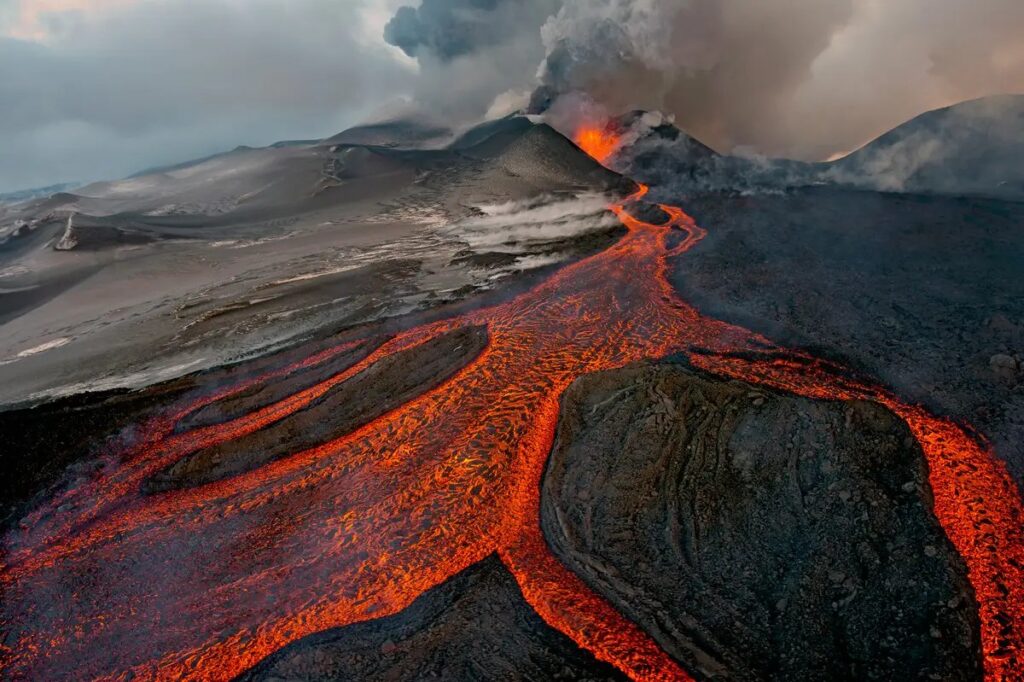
(103,88)
(93,89)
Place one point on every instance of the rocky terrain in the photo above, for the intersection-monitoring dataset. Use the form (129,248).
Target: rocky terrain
(968,149)
(737,526)
(900,260)
(920,292)
(383,386)
(476,626)
(753,535)
(255,249)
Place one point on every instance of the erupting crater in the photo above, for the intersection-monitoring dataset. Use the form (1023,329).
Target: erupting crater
(116,578)
(600,142)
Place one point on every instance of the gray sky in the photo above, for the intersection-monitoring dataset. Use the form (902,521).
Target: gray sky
(103,88)
(93,89)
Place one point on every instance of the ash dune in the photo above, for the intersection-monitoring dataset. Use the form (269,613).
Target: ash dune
(251,249)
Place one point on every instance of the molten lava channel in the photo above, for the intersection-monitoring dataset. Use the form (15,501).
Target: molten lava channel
(104,582)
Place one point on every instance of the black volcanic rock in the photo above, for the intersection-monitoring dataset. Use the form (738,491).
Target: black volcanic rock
(476,626)
(917,292)
(672,162)
(386,384)
(974,148)
(261,394)
(757,535)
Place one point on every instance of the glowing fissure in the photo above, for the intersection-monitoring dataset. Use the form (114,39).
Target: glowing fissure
(205,582)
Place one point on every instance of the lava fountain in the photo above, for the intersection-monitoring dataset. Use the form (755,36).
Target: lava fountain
(599,142)
(105,582)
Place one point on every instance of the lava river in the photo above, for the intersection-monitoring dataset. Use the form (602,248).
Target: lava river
(105,582)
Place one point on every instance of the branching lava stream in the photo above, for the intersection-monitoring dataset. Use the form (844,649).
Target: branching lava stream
(105,582)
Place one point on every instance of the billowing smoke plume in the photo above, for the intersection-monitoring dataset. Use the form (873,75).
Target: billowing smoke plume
(800,78)
(477,57)
(445,29)
(725,68)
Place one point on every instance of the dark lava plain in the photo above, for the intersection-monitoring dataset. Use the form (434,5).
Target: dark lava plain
(923,293)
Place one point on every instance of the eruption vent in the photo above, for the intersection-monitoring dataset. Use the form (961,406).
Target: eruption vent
(599,142)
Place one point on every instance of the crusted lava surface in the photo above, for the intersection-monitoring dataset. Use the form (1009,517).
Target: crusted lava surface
(381,387)
(923,293)
(475,626)
(738,525)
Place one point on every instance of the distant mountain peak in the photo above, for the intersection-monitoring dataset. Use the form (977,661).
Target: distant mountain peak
(974,147)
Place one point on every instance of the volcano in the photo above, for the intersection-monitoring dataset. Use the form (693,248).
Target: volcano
(556,431)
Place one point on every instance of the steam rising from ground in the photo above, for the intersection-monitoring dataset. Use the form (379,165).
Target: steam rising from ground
(513,226)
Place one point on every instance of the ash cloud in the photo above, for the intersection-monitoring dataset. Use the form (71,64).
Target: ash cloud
(804,79)
(796,78)
(119,85)
(444,28)
(725,68)
(477,58)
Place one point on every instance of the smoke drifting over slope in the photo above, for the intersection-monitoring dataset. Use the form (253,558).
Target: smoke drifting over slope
(103,88)
(800,78)
(727,70)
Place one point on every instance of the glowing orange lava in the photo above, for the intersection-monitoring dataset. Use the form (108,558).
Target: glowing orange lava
(599,142)
(104,582)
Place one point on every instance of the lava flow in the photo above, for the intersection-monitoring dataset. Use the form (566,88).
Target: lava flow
(202,583)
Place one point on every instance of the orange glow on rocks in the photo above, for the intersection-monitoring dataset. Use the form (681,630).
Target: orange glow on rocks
(106,583)
(598,142)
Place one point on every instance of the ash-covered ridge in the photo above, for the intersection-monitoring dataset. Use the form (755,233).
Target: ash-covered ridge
(254,249)
(969,149)
(972,148)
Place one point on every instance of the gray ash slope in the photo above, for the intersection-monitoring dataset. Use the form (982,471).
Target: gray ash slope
(972,148)
(247,251)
